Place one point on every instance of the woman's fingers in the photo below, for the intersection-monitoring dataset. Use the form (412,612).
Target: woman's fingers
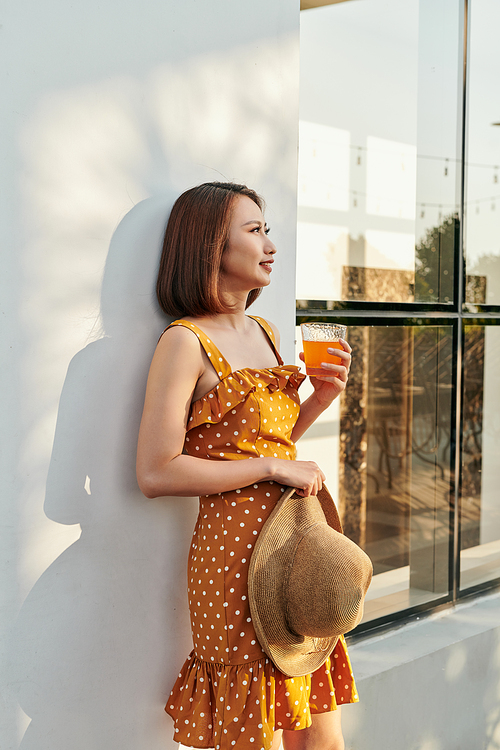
(337,369)
(344,355)
(313,486)
(305,476)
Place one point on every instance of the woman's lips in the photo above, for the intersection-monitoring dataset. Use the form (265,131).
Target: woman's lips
(267,265)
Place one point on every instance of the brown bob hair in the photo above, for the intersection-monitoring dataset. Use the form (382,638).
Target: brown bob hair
(195,240)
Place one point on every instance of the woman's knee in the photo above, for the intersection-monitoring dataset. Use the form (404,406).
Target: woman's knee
(325,733)
(304,740)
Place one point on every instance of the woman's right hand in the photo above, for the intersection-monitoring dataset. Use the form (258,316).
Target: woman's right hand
(305,476)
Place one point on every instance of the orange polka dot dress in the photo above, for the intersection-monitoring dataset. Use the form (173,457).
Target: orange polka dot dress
(229,693)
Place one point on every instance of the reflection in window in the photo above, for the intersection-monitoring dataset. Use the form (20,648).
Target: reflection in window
(482,207)
(386,452)
(434,257)
(480,507)
(377,175)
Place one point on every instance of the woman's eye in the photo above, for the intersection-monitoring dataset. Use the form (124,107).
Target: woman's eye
(267,230)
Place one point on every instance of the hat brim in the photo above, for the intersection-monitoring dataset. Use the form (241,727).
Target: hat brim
(294,655)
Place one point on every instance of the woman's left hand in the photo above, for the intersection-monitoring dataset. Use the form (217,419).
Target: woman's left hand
(334,381)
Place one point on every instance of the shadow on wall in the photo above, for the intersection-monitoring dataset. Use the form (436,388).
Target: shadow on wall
(103,632)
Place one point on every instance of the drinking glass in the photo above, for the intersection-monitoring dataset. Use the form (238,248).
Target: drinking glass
(317,338)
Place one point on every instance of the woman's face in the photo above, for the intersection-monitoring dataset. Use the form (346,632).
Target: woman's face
(247,261)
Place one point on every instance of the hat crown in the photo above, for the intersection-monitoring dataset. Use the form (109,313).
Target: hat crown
(326,584)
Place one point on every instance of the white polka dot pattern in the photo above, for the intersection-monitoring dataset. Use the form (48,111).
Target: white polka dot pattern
(228,692)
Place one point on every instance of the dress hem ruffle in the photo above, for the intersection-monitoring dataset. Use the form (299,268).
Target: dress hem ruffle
(215,705)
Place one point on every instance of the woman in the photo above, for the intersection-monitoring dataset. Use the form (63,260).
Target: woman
(221,419)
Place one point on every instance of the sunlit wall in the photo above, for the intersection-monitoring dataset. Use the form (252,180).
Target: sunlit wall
(108,111)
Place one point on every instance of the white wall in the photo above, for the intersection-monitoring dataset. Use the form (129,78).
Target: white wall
(433,684)
(108,111)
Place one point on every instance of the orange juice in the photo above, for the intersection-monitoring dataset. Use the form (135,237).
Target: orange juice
(316,352)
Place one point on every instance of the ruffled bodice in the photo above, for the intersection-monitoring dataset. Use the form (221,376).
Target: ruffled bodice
(249,414)
(234,389)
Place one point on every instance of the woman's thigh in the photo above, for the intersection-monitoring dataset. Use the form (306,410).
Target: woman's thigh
(325,733)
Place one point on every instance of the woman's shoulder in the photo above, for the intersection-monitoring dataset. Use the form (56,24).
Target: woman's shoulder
(177,362)
(179,336)
(273,329)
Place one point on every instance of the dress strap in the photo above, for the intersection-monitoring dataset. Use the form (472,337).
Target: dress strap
(220,365)
(270,334)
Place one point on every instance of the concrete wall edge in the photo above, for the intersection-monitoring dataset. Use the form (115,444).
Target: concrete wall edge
(421,637)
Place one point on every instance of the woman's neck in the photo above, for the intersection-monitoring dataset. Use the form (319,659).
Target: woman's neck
(236,318)
(234,321)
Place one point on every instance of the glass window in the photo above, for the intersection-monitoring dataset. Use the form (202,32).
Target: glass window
(482,207)
(378,166)
(385,448)
(480,507)
(386,217)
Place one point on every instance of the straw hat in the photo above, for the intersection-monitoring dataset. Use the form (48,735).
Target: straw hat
(306,582)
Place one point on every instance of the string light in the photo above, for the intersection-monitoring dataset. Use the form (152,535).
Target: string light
(429,157)
(420,206)
(359,149)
